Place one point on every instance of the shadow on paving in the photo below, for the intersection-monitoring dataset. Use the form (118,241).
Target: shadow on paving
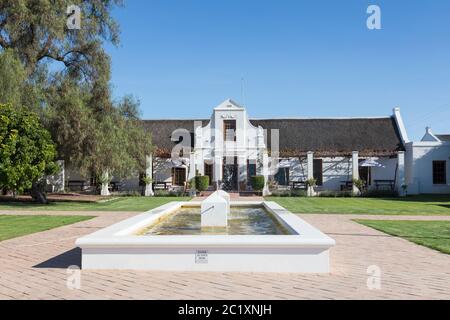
(63,261)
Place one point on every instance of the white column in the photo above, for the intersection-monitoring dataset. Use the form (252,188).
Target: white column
(149,174)
(265,172)
(105,184)
(310,165)
(310,171)
(192,166)
(60,177)
(401,174)
(355,170)
(217,170)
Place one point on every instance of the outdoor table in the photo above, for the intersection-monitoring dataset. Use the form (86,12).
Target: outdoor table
(384,183)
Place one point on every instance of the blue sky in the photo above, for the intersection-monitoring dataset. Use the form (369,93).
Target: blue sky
(298,58)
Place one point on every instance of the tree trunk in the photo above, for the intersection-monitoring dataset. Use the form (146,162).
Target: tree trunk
(37,193)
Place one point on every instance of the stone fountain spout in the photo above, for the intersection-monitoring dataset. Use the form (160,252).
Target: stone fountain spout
(215,210)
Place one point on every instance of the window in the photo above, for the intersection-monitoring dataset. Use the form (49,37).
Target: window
(439,172)
(178,176)
(282,176)
(251,171)
(318,171)
(251,168)
(229,130)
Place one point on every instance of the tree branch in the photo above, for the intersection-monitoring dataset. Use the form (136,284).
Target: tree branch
(45,49)
(3,43)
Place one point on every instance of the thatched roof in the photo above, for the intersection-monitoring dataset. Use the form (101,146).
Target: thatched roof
(325,137)
(443,137)
(162,130)
(335,137)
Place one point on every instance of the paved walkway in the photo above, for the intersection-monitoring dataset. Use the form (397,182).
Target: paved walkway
(34,267)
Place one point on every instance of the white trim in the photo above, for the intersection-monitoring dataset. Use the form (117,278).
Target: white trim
(305,249)
(401,125)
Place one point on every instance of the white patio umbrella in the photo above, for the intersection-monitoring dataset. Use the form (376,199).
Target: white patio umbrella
(372,163)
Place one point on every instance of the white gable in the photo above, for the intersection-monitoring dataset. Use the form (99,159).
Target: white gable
(429,136)
(228,105)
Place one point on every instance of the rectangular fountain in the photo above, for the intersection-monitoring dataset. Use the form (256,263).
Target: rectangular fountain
(260,236)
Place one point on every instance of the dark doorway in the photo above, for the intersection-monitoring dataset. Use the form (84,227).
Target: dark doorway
(251,171)
(230,174)
(365,173)
(318,171)
(209,172)
(178,176)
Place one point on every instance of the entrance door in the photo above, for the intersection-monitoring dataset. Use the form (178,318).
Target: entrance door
(209,172)
(230,174)
(178,176)
(365,173)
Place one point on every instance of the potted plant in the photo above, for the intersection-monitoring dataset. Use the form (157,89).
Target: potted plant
(257,183)
(360,184)
(310,185)
(404,189)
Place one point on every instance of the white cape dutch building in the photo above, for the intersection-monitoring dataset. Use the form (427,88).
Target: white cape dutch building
(230,147)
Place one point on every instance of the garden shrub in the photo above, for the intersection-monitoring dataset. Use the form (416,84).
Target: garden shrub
(202,183)
(280,193)
(257,183)
(299,193)
(336,194)
(166,193)
(381,194)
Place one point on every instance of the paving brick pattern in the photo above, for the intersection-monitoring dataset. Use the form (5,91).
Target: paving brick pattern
(34,267)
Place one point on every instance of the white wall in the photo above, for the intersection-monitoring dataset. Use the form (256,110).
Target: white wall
(210,147)
(419,167)
(336,170)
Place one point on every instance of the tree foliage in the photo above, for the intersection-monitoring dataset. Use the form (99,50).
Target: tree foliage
(37,31)
(12,78)
(121,144)
(27,152)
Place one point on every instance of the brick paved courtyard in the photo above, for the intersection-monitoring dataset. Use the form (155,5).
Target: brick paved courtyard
(34,267)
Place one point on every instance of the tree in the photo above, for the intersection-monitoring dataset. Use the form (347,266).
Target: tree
(71,122)
(92,133)
(27,152)
(37,31)
(120,144)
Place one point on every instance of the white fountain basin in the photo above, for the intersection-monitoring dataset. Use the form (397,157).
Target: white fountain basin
(305,249)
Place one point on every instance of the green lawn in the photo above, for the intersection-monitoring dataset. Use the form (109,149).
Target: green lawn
(17,226)
(431,234)
(137,204)
(414,205)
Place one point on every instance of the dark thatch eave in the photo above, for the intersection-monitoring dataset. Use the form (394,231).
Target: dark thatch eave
(325,137)
(443,137)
